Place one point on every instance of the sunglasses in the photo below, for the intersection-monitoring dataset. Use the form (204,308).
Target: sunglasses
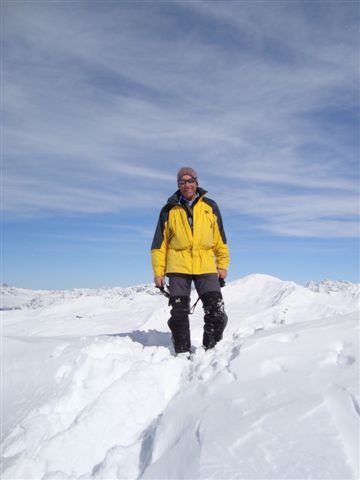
(184,182)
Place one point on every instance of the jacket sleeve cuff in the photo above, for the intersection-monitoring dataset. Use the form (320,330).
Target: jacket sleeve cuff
(159,273)
(223,265)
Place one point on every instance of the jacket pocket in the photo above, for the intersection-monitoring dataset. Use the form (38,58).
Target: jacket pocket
(207,232)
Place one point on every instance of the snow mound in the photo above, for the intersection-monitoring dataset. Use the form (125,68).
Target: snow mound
(115,386)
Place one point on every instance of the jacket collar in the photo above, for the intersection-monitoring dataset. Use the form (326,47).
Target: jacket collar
(175,197)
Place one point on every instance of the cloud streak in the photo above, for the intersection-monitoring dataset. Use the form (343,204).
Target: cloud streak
(104,103)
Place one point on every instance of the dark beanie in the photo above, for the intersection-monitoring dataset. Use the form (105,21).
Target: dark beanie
(186,171)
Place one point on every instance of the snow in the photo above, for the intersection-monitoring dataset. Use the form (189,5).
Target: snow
(91,389)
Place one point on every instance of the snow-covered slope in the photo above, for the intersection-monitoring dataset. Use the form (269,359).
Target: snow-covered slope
(91,389)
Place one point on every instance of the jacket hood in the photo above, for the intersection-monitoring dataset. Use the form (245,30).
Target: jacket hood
(174,199)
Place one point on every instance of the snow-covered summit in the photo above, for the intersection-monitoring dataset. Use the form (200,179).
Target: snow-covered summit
(272,301)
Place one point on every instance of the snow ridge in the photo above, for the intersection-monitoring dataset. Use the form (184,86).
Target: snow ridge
(21,298)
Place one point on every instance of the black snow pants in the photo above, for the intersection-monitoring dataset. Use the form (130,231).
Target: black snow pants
(215,318)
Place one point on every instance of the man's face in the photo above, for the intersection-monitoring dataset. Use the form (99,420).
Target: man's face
(187,190)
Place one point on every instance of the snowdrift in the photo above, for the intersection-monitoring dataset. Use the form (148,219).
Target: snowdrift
(91,388)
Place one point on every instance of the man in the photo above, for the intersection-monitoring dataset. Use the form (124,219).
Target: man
(190,245)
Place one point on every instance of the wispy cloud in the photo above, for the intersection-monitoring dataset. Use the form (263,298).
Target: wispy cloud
(105,101)
(297,214)
(122,238)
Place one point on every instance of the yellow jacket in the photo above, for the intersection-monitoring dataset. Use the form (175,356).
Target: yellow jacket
(179,248)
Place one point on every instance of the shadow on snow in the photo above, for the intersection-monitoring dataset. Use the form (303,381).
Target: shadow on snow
(150,338)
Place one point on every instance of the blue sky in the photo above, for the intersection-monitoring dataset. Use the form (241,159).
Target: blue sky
(104,101)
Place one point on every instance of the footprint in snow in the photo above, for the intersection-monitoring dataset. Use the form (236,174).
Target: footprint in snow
(58,351)
(272,366)
(285,337)
(344,360)
(63,372)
